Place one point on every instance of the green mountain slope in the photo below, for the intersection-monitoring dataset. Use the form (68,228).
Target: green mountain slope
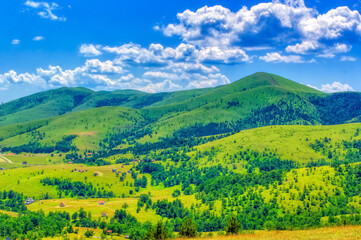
(288,142)
(42,105)
(239,103)
(59,101)
(258,100)
(88,126)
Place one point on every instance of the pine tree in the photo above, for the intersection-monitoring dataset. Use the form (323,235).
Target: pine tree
(233,225)
(188,228)
(158,233)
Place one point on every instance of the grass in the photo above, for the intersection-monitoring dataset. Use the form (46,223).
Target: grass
(320,179)
(80,235)
(288,142)
(27,181)
(90,126)
(339,233)
(41,105)
(11,214)
(330,233)
(91,205)
(37,159)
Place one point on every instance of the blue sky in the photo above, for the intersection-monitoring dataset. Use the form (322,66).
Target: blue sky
(161,45)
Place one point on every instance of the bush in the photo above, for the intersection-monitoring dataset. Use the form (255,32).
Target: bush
(89,233)
(176,193)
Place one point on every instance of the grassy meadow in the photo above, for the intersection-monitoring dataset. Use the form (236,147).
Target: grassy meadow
(288,142)
(334,233)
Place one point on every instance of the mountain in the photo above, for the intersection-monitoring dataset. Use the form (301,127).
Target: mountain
(258,100)
(42,105)
(63,100)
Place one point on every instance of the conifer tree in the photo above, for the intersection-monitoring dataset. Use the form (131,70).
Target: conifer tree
(233,225)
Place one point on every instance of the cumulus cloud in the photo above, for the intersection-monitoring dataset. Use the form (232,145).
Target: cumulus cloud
(303,47)
(55,75)
(269,24)
(211,80)
(109,75)
(333,50)
(13,77)
(278,58)
(334,87)
(45,9)
(89,50)
(158,54)
(161,86)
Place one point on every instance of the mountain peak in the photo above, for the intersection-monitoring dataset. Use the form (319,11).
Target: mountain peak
(263,79)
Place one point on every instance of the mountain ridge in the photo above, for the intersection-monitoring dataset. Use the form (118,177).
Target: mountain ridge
(257,100)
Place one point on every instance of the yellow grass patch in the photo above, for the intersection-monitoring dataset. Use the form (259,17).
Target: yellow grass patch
(91,205)
(339,233)
(11,214)
(91,133)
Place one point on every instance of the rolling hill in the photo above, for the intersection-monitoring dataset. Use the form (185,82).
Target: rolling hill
(258,100)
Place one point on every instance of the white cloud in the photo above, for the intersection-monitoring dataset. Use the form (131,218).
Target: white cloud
(258,48)
(45,9)
(13,77)
(96,66)
(337,48)
(334,87)
(136,54)
(157,54)
(109,75)
(348,59)
(226,55)
(304,47)
(278,58)
(15,41)
(159,75)
(330,25)
(93,69)
(165,85)
(211,80)
(180,67)
(38,38)
(89,50)
(305,27)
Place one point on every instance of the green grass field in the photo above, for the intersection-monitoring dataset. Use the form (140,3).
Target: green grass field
(90,127)
(288,142)
(339,233)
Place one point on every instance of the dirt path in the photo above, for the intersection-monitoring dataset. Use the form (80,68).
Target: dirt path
(9,161)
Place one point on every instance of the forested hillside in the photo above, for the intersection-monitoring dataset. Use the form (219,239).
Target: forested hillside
(258,100)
